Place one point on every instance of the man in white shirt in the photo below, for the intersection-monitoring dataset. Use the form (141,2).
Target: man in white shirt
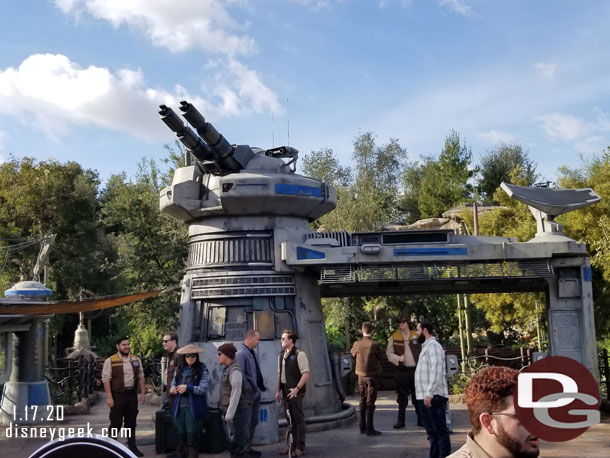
(431,390)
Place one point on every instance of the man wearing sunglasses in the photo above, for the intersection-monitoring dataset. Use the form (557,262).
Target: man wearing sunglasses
(169,363)
(496,430)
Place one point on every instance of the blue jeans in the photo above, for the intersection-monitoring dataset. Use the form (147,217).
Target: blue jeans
(236,432)
(436,426)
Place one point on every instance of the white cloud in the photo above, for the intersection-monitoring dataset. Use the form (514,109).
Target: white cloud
(585,136)
(559,126)
(546,69)
(178,25)
(54,93)
(493,137)
(457,6)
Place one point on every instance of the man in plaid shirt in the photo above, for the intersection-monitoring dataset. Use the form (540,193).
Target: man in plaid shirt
(431,390)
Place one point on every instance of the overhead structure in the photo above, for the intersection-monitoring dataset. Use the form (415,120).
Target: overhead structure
(253,262)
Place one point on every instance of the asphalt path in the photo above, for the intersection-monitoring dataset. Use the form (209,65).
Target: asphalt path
(344,442)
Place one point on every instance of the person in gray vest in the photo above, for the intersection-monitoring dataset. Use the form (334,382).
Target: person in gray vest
(254,384)
(293,372)
(232,402)
(169,362)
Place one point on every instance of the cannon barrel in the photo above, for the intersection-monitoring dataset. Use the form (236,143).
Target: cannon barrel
(222,149)
(193,143)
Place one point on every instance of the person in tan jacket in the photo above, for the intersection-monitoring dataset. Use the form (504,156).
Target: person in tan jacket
(403,352)
(368,356)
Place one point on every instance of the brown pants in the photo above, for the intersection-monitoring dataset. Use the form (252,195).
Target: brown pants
(367,387)
(297,416)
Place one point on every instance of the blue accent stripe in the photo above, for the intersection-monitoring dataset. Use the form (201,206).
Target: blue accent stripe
(587,274)
(306,253)
(430,251)
(297,190)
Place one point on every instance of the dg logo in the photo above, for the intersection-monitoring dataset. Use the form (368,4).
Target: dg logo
(557,399)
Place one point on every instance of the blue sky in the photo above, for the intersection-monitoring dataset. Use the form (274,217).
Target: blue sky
(81,79)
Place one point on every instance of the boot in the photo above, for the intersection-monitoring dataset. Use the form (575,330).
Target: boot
(400,421)
(370,428)
(193,452)
(362,418)
(131,444)
(181,450)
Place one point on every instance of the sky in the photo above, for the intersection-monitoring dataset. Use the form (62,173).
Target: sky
(81,80)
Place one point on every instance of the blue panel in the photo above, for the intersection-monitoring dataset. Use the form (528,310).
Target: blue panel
(587,275)
(297,190)
(263,415)
(38,394)
(306,253)
(448,251)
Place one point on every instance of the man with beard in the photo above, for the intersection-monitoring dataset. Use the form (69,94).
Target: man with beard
(122,374)
(496,431)
(431,390)
(403,352)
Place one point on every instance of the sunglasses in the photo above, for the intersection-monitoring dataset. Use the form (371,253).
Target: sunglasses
(165,341)
(191,355)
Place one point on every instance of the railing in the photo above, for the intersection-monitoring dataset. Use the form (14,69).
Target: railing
(604,374)
(521,360)
(152,372)
(72,380)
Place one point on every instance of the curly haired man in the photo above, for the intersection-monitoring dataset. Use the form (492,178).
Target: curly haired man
(496,430)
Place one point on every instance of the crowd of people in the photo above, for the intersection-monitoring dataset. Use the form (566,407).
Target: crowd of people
(419,371)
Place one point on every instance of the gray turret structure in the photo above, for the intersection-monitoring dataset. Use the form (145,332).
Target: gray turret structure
(240,204)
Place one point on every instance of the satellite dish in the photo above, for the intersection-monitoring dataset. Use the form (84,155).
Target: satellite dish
(552,202)
(545,203)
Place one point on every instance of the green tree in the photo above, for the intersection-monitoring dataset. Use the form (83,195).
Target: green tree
(444,182)
(503,163)
(48,197)
(152,250)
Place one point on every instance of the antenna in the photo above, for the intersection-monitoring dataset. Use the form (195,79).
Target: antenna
(288,121)
(272,130)
(545,203)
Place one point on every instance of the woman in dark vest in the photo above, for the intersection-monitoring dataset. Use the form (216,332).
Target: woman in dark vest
(190,384)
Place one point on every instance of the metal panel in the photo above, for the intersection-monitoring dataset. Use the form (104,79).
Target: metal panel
(318,357)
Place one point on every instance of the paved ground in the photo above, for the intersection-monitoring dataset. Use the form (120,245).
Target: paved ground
(341,442)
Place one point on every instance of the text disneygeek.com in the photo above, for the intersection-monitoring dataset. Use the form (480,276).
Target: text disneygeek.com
(61,432)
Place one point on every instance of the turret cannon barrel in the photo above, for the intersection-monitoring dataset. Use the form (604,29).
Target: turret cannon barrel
(193,143)
(210,147)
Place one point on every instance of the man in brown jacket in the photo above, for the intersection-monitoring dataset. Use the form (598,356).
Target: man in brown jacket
(403,352)
(368,356)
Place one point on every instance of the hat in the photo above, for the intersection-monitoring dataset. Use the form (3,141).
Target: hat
(190,348)
(228,349)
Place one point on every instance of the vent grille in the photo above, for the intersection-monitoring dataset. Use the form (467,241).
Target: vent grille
(344,238)
(241,292)
(233,251)
(243,285)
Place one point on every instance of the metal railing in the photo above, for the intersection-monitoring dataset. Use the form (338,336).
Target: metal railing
(72,379)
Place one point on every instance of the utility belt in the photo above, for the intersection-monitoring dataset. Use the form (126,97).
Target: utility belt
(401,368)
(133,390)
